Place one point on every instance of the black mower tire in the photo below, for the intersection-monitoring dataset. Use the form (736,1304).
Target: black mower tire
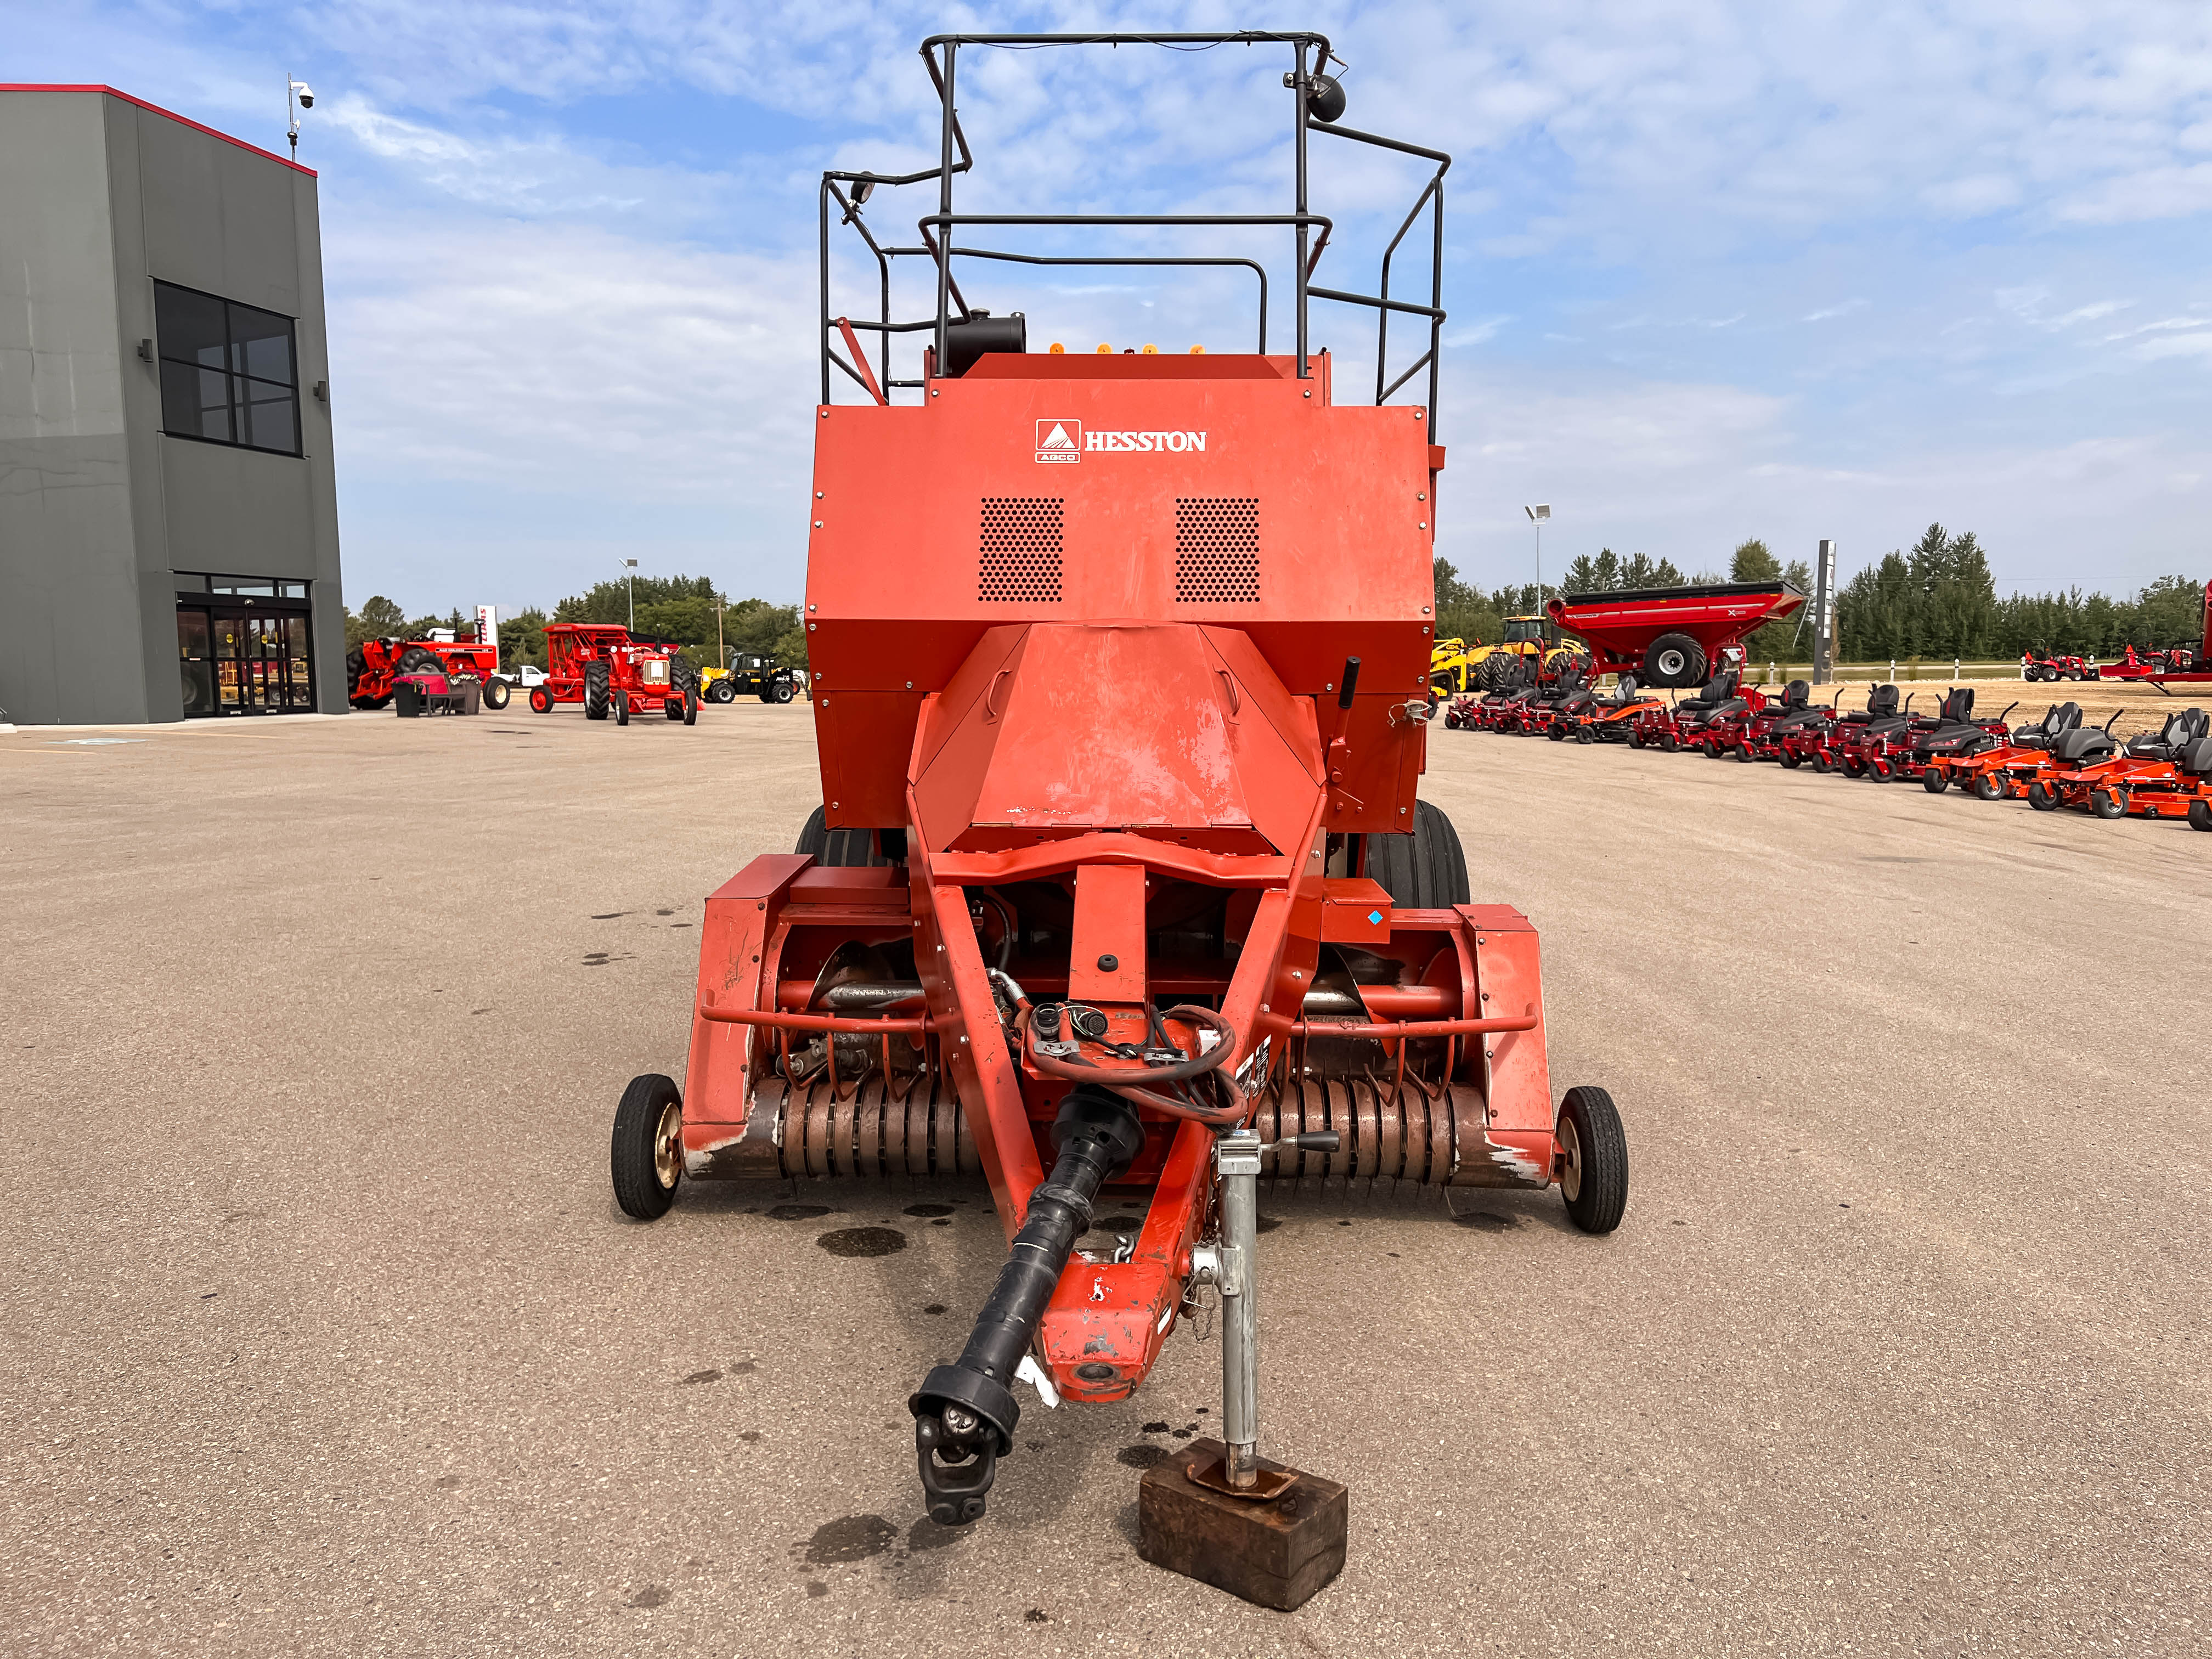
(1881,771)
(1556,733)
(496,693)
(2200,815)
(1595,1182)
(2041,797)
(597,678)
(2110,801)
(1584,734)
(1425,870)
(1934,782)
(1673,659)
(1635,738)
(1790,762)
(838,849)
(1822,761)
(1743,753)
(647,1170)
(1669,742)
(1989,785)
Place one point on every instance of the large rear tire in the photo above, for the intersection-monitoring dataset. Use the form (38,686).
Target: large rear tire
(1593,1173)
(597,677)
(1673,659)
(1425,870)
(647,1156)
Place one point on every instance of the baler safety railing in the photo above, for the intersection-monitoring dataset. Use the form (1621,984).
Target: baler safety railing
(850,191)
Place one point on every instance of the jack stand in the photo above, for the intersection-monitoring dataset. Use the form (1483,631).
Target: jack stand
(1221,1513)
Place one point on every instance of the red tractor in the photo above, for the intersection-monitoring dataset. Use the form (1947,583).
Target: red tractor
(2037,666)
(372,665)
(1121,883)
(611,671)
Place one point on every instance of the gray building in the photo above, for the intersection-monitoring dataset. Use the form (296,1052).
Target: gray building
(168,519)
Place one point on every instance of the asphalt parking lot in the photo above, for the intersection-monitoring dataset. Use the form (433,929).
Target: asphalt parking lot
(323,1334)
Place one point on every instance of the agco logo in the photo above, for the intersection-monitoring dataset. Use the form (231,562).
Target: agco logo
(1066,441)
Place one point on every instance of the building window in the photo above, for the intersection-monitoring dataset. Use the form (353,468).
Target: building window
(229,374)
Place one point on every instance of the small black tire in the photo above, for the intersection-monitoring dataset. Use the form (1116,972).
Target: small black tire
(2200,815)
(1790,762)
(647,1155)
(1669,742)
(1635,738)
(1822,761)
(1556,733)
(1673,659)
(1584,734)
(1743,753)
(495,693)
(691,708)
(621,709)
(838,849)
(541,700)
(2041,797)
(1989,785)
(1425,870)
(1594,1162)
(2110,802)
(1934,782)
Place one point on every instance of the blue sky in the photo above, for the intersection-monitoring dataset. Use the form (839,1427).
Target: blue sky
(1714,271)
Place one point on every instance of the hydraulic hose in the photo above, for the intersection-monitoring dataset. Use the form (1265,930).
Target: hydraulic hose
(1141,1087)
(964,1413)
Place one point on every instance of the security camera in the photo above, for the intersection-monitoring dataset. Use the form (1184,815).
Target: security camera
(307,98)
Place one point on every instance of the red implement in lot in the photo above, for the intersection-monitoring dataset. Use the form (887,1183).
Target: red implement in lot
(610,671)
(372,666)
(1671,636)
(1120,884)
(2037,666)
(2103,783)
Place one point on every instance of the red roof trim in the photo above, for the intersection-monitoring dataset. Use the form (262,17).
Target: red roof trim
(157,109)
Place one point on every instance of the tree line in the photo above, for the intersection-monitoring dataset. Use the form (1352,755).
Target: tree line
(1937,598)
(683,608)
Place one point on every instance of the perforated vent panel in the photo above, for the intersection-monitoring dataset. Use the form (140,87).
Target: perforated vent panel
(1020,557)
(1216,549)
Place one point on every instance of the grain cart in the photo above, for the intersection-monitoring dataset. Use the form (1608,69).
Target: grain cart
(1672,636)
(1121,883)
(611,671)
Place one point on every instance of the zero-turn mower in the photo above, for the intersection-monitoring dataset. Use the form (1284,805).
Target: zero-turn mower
(1121,883)
(2100,781)
(1902,751)
(1612,719)
(1669,726)
(1766,734)
(1981,772)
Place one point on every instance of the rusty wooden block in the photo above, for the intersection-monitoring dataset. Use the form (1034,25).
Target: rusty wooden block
(1276,1554)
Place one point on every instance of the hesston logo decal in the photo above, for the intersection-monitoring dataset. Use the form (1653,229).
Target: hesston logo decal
(1066,441)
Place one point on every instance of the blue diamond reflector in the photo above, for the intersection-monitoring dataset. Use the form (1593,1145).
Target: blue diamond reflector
(1374,918)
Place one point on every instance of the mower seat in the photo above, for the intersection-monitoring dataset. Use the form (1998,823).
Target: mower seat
(1881,704)
(2196,759)
(1718,689)
(2082,746)
(2179,732)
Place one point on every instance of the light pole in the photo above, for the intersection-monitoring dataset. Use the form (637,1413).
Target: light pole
(298,95)
(1540,516)
(629,571)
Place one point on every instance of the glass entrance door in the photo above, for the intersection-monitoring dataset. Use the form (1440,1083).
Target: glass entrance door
(240,661)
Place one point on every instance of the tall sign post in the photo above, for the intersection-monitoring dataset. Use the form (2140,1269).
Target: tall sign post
(1824,616)
(488,631)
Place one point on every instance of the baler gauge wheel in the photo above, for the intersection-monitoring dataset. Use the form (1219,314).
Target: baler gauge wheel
(2109,803)
(646,1154)
(1593,1159)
